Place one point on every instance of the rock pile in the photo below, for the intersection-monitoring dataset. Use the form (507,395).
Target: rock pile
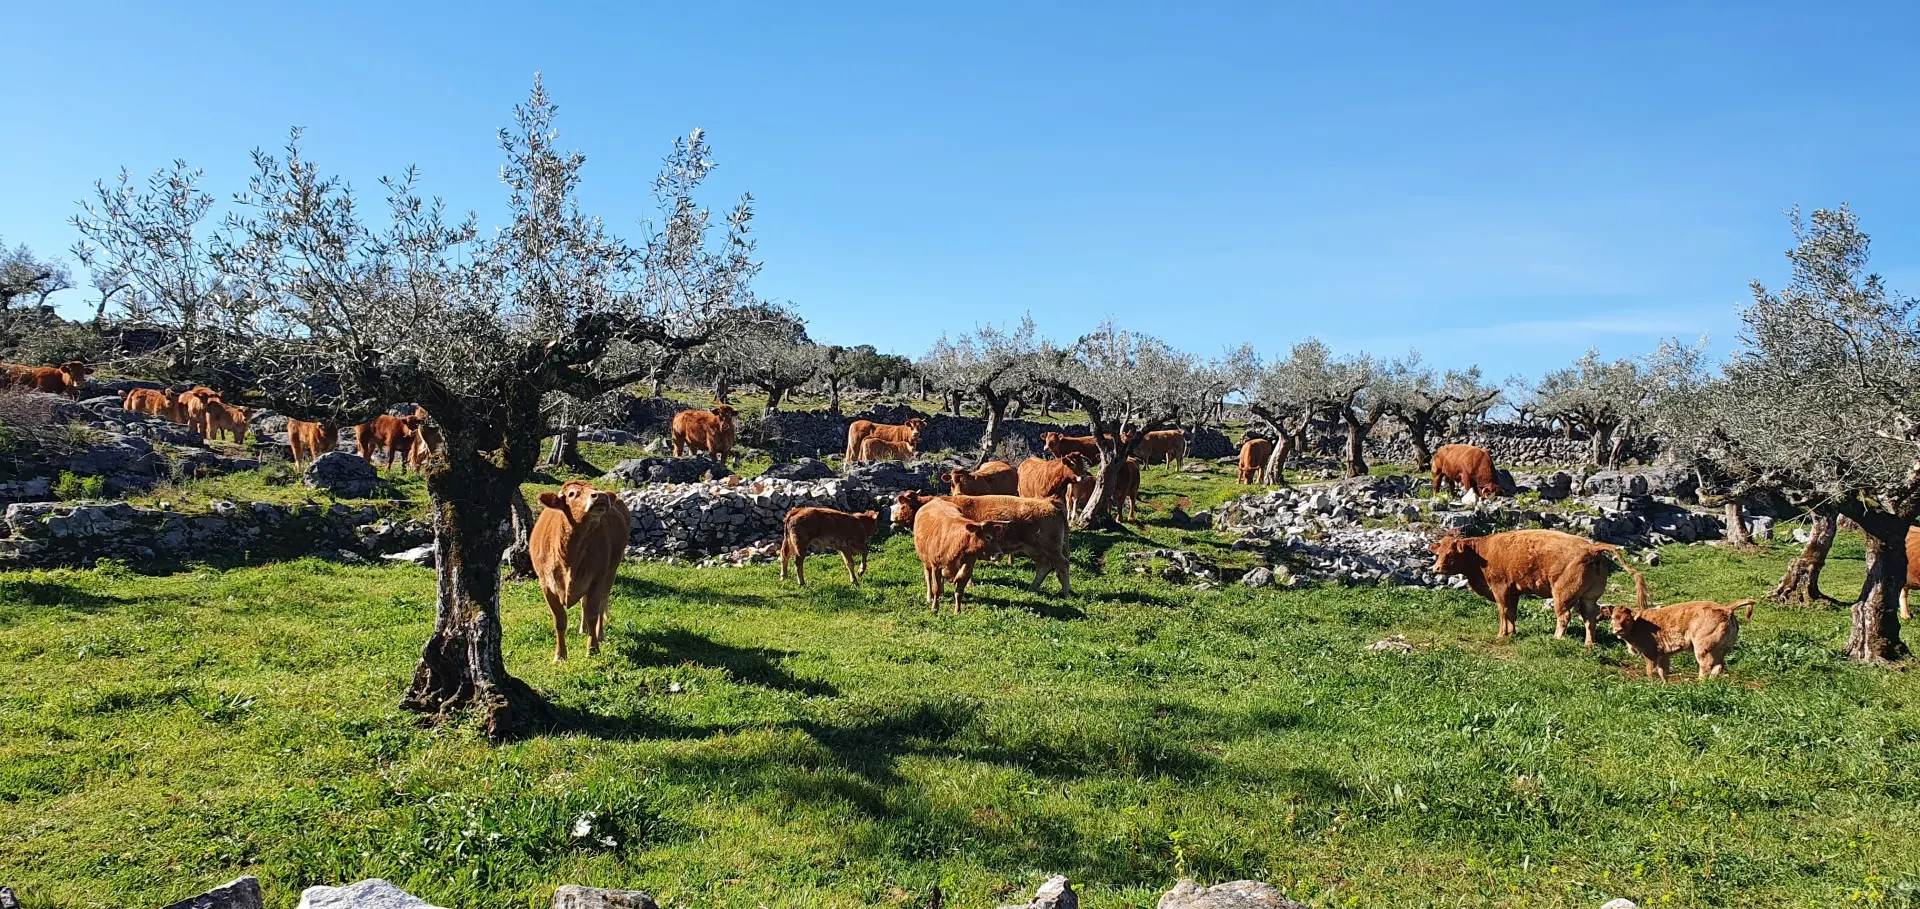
(639,471)
(129,452)
(345,475)
(46,534)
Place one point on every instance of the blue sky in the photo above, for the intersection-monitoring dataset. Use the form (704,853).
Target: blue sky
(1504,184)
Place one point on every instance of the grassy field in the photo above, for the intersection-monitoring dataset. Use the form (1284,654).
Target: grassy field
(745,743)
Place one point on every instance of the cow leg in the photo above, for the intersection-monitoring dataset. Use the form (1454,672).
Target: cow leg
(847,556)
(928,575)
(786,555)
(559,610)
(1904,615)
(1508,600)
(960,578)
(863,560)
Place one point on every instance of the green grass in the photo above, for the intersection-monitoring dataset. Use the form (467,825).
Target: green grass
(746,743)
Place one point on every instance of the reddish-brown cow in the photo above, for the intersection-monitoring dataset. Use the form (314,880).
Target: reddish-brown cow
(1546,563)
(1126,489)
(64,379)
(1060,445)
(311,440)
(152,401)
(907,433)
(1169,445)
(817,529)
(949,544)
(1706,628)
(1038,528)
(994,478)
(701,430)
(426,438)
(1465,467)
(877,449)
(385,433)
(1041,479)
(1254,455)
(577,544)
(225,419)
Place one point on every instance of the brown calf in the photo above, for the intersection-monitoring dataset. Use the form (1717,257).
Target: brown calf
(1254,455)
(708,431)
(311,440)
(152,401)
(385,433)
(1126,489)
(1038,528)
(815,529)
(1707,629)
(877,449)
(1572,570)
(1041,479)
(1465,467)
(994,478)
(949,544)
(1169,445)
(192,406)
(426,438)
(222,418)
(64,379)
(859,431)
(577,544)
(1060,445)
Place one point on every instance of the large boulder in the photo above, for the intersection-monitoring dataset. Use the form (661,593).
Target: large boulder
(574,896)
(640,471)
(878,480)
(803,469)
(346,475)
(1614,483)
(126,462)
(239,893)
(1236,895)
(368,894)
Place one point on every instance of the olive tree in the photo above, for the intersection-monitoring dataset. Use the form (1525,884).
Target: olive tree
(152,241)
(334,316)
(1356,389)
(1600,398)
(1424,400)
(1272,394)
(24,275)
(1129,385)
(1826,385)
(990,364)
(768,349)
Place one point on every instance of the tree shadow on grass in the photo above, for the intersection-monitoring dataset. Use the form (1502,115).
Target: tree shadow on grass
(758,666)
(643,589)
(53,595)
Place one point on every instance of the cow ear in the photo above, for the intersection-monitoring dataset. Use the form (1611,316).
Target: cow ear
(550,500)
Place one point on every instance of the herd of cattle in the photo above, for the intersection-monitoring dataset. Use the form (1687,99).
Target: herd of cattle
(992,510)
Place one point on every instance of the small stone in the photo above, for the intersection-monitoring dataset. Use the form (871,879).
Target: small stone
(239,893)
(1236,895)
(1620,903)
(373,893)
(574,896)
(1259,577)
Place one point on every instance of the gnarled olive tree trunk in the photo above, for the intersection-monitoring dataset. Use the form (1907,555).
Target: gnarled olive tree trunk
(1875,633)
(1801,585)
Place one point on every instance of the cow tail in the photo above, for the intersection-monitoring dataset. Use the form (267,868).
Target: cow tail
(1735,607)
(1639,580)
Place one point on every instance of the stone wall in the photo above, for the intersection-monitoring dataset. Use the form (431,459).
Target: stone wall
(1510,443)
(691,520)
(50,534)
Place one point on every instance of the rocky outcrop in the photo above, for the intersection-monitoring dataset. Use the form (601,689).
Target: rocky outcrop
(348,476)
(1236,895)
(574,896)
(43,534)
(639,471)
(736,518)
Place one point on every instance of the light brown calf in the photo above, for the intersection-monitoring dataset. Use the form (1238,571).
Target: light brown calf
(310,440)
(877,449)
(949,544)
(1042,479)
(859,431)
(1913,570)
(1546,563)
(1037,528)
(192,406)
(1708,629)
(152,401)
(64,379)
(222,418)
(577,544)
(386,434)
(1465,467)
(994,478)
(1254,455)
(1126,489)
(815,529)
(1168,445)
(1060,445)
(708,431)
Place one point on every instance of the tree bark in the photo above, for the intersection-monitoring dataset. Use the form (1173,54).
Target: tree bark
(565,453)
(995,405)
(1801,585)
(1736,524)
(519,558)
(833,395)
(1357,430)
(722,389)
(1417,430)
(1875,633)
(1600,441)
(1277,461)
(461,666)
(775,394)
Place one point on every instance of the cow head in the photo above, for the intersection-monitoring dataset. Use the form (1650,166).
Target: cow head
(1623,620)
(1452,555)
(1077,462)
(1050,440)
(916,423)
(905,506)
(987,534)
(76,370)
(725,412)
(580,501)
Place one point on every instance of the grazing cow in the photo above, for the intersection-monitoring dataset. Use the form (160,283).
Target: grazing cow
(426,438)
(1126,488)
(1465,467)
(576,545)
(1169,445)
(223,418)
(152,401)
(1708,629)
(877,449)
(385,433)
(311,440)
(994,478)
(949,544)
(64,379)
(1038,528)
(1572,570)
(1060,445)
(1254,455)
(816,529)
(1041,479)
(192,407)
(907,433)
(703,430)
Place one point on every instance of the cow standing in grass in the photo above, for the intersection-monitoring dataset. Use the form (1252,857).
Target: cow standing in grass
(577,544)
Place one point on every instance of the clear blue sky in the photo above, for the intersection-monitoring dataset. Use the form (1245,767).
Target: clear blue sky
(1504,184)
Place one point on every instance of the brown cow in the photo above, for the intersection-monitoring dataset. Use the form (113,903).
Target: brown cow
(576,545)
(152,401)
(907,433)
(1060,445)
(1169,445)
(311,440)
(1126,489)
(877,449)
(385,433)
(994,478)
(1572,570)
(1254,455)
(1465,467)
(949,544)
(702,430)
(192,407)
(1708,629)
(223,418)
(64,379)
(1038,531)
(1040,479)
(815,529)
(426,438)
